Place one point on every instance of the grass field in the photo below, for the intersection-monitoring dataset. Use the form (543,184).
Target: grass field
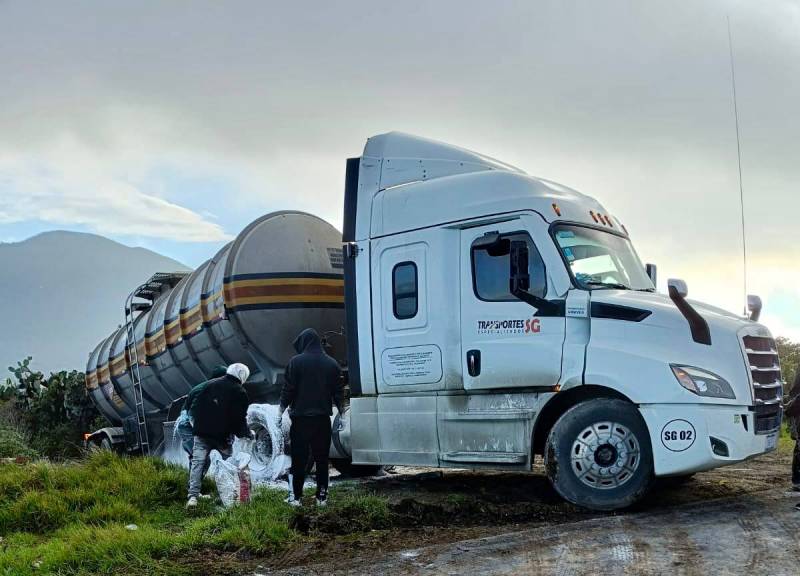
(75,519)
(72,519)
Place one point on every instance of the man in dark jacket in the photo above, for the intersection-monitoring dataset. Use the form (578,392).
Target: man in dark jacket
(218,411)
(313,384)
(184,427)
(792,411)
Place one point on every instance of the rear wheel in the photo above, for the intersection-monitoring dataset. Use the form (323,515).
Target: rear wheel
(598,455)
(101,444)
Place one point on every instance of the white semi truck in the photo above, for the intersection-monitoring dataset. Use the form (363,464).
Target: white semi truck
(493,316)
(489,317)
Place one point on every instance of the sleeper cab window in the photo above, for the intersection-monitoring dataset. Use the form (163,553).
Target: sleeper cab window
(404,290)
(491,269)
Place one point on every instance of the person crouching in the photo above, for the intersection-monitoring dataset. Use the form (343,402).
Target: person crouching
(218,412)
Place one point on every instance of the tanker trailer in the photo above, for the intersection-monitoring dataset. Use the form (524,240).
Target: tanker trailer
(281,274)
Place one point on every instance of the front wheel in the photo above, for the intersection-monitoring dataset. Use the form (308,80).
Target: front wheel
(599,456)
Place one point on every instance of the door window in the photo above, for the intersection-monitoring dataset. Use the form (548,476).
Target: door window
(491,267)
(404,290)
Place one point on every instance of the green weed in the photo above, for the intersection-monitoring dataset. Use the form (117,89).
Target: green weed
(348,511)
(116,515)
(13,444)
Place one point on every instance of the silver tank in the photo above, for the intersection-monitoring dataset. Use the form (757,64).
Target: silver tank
(281,274)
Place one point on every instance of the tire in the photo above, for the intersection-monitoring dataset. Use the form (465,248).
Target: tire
(347,468)
(593,467)
(101,445)
(265,450)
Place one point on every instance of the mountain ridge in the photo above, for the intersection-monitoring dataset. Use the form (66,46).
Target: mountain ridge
(61,292)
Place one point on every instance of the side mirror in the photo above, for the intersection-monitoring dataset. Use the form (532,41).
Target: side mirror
(754,306)
(492,243)
(679,286)
(519,277)
(652,272)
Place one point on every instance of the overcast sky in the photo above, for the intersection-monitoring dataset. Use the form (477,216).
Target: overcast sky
(171,125)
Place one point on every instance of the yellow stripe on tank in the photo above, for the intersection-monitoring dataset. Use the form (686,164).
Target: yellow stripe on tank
(156,343)
(118,365)
(216,294)
(286,299)
(285,282)
(284,292)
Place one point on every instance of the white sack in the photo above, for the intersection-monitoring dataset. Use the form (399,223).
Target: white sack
(229,480)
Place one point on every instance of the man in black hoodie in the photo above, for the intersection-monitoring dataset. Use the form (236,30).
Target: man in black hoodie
(313,384)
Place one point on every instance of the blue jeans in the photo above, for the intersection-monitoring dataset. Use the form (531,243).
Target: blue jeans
(184,432)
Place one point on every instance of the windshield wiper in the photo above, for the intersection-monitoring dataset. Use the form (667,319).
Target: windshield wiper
(645,290)
(616,285)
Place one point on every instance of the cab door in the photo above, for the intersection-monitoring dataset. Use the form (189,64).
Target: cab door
(413,344)
(506,343)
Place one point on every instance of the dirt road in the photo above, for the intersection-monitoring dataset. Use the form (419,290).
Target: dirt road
(734,520)
(757,534)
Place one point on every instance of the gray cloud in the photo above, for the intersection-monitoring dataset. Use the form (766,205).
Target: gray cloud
(627,101)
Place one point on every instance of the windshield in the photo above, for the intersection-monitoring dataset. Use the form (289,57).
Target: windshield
(600,259)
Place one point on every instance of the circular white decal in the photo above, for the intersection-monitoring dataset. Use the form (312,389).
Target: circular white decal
(678,435)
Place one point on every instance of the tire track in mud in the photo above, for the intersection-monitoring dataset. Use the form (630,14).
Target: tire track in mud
(619,553)
(758,551)
(791,526)
(687,559)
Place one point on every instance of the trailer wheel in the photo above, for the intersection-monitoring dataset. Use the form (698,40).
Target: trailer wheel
(599,456)
(100,444)
(347,468)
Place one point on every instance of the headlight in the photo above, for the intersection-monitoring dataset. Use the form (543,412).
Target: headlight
(702,382)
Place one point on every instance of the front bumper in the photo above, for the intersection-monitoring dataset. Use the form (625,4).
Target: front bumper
(688,438)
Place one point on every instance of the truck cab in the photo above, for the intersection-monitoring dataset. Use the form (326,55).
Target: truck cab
(493,316)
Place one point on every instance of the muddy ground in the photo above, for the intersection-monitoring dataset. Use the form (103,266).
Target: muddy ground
(755,534)
(434,509)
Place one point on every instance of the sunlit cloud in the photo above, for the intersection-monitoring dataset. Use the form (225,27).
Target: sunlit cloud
(67,184)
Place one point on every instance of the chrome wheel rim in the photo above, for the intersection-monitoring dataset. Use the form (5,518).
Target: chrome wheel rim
(605,455)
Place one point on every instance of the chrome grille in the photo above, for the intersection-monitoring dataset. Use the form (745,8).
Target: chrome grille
(765,368)
(759,344)
(765,371)
(768,422)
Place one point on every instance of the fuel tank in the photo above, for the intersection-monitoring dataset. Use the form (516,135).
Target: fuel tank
(283,273)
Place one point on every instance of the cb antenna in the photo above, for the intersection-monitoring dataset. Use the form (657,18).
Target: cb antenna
(739,161)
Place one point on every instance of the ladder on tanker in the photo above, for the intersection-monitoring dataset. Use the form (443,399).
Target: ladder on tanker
(134,307)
